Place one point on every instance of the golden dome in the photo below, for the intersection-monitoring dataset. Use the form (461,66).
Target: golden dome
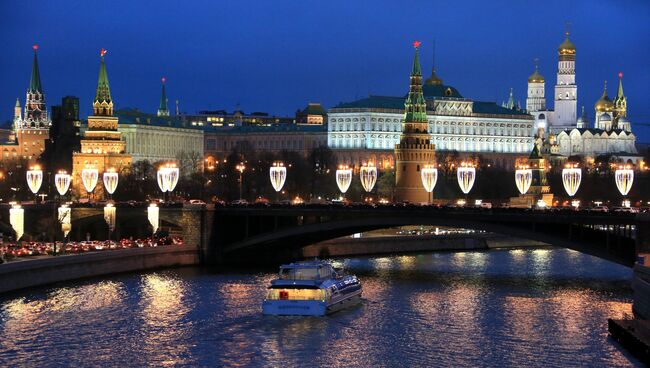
(567,47)
(433,79)
(536,77)
(604,103)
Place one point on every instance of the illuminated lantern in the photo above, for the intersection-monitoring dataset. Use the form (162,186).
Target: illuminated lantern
(571,177)
(89,178)
(64,219)
(17,220)
(62,182)
(368,175)
(110,216)
(278,175)
(523,179)
(111,179)
(167,177)
(466,174)
(344,178)
(34,178)
(153,214)
(624,178)
(429,176)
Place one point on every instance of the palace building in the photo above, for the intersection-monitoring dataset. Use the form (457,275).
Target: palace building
(368,129)
(30,126)
(102,146)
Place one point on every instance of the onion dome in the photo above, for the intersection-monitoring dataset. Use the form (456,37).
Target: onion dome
(433,80)
(536,77)
(604,103)
(567,47)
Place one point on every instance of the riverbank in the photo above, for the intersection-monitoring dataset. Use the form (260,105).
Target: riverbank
(44,271)
(348,246)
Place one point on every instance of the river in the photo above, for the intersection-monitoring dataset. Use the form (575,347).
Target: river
(533,308)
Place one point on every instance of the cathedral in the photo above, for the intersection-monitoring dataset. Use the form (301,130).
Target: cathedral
(560,132)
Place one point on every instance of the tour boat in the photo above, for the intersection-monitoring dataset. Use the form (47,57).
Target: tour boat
(312,288)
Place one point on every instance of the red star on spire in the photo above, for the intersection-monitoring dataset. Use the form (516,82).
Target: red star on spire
(102,52)
(620,75)
(35,47)
(416,44)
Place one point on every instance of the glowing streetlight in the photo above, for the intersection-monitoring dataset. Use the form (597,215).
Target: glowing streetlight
(89,178)
(466,174)
(153,215)
(34,178)
(624,177)
(17,220)
(168,177)
(65,219)
(571,177)
(110,218)
(429,177)
(110,178)
(523,179)
(368,176)
(241,167)
(278,175)
(344,178)
(62,182)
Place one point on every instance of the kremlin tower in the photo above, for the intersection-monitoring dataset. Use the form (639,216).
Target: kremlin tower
(414,150)
(102,147)
(162,108)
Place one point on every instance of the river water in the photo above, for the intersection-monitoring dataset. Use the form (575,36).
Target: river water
(541,307)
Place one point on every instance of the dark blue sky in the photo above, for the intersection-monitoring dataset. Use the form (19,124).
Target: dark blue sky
(276,56)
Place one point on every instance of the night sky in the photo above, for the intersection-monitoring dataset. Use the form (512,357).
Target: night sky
(276,56)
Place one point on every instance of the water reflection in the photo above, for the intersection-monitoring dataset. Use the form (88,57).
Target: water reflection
(545,307)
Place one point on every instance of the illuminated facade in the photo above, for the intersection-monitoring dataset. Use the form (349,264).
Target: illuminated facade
(102,146)
(30,126)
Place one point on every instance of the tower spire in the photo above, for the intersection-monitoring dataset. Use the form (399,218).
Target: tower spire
(433,79)
(35,81)
(103,104)
(162,108)
(415,107)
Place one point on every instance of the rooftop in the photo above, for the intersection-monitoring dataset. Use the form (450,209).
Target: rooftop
(134,116)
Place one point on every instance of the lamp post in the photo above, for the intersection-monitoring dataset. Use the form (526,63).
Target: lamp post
(429,176)
(368,176)
(523,179)
(571,177)
(466,174)
(344,178)
(34,179)
(110,179)
(167,177)
(17,219)
(89,178)
(624,177)
(62,184)
(278,175)
(153,215)
(241,167)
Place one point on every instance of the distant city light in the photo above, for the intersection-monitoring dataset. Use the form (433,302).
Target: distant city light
(523,179)
(278,175)
(344,178)
(368,176)
(571,177)
(466,174)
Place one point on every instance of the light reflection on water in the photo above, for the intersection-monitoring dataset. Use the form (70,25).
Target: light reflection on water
(544,307)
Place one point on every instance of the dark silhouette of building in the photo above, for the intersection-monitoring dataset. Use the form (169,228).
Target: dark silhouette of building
(64,136)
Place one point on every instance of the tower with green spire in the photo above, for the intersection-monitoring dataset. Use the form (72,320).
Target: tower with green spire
(162,108)
(103,104)
(415,150)
(35,115)
(620,102)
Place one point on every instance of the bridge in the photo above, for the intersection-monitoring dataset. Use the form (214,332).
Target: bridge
(249,233)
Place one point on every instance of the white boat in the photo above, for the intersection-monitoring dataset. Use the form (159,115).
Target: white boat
(311,288)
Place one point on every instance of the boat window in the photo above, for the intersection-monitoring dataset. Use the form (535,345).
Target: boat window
(298,294)
(299,274)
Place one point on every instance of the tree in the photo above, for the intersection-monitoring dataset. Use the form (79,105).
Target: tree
(386,184)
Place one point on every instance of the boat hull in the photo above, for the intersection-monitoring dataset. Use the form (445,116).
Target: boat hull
(294,307)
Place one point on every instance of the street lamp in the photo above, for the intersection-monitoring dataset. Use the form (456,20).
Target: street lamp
(523,179)
(153,215)
(368,176)
(167,176)
(624,177)
(34,179)
(429,176)
(466,174)
(89,178)
(62,182)
(110,218)
(278,175)
(110,178)
(571,177)
(17,220)
(241,167)
(344,178)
